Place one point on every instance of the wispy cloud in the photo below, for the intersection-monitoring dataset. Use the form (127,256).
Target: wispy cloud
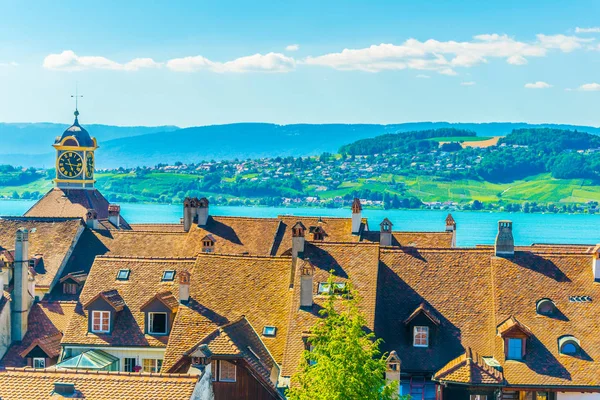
(590,87)
(537,85)
(9,64)
(594,29)
(69,61)
(271,62)
(440,56)
(292,47)
(469,83)
(423,76)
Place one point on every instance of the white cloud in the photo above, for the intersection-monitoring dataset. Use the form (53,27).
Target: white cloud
(595,29)
(271,62)
(470,83)
(562,42)
(423,76)
(590,87)
(538,85)
(8,64)
(69,61)
(516,60)
(445,55)
(292,47)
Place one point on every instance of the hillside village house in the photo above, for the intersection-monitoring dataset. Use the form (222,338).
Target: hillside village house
(222,307)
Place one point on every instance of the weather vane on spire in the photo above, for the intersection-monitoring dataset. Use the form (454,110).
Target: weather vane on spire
(76,96)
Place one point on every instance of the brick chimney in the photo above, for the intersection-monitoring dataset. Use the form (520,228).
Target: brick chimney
(114,215)
(451,227)
(20,301)
(184,287)
(307,272)
(356,216)
(392,370)
(385,233)
(91,218)
(298,240)
(202,211)
(596,262)
(190,209)
(505,244)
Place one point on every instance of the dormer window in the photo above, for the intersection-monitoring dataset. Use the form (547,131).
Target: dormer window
(100,321)
(168,276)
(318,236)
(338,288)
(269,331)
(421,336)
(208,244)
(545,307)
(515,349)
(123,275)
(157,323)
(568,345)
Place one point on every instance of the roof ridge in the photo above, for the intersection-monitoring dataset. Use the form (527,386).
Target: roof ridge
(87,373)
(133,231)
(244,217)
(319,243)
(233,255)
(140,258)
(397,249)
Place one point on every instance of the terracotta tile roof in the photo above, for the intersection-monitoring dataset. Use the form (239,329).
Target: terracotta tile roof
(30,384)
(71,203)
(225,287)
(469,368)
(49,344)
(177,228)
(336,229)
(511,324)
(53,239)
(410,277)
(423,309)
(46,322)
(145,277)
(77,276)
(112,297)
(519,283)
(237,235)
(355,261)
(435,240)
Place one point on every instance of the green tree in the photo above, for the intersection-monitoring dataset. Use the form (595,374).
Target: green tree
(345,361)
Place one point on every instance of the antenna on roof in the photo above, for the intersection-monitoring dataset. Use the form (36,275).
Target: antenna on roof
(76,96)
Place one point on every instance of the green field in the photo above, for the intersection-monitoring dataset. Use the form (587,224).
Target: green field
(460,139)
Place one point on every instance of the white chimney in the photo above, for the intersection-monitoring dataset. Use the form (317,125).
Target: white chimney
(451,227)
(356,216)
(190,210)
(385,234)
(596,262)
(202,211)
(20,302)
(114,215)
(91,219)
(184,287)
(298,239)
(505,243)
(307,272)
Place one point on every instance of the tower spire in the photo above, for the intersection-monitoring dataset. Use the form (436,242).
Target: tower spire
(76,96)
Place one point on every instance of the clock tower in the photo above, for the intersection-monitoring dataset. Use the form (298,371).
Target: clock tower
(75,158)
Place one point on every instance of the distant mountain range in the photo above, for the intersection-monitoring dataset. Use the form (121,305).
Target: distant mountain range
(28,144)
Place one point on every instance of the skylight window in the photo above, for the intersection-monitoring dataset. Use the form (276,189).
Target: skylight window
(338,287)
(123,275)
(168,276)
(269,331)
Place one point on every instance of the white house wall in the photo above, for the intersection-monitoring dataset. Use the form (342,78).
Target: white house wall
(577,396)
(4,329)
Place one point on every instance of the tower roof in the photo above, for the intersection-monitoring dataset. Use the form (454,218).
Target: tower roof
(78,132)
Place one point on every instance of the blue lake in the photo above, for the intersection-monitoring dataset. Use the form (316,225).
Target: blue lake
(473,227)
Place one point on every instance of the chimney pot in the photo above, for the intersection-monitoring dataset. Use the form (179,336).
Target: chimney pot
(184,287)
(20,304)
(356,216)
(298,239)
(114,215)
(307,272)
(385,234)
(202,211)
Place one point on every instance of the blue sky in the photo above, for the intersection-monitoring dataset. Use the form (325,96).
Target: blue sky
(196,63)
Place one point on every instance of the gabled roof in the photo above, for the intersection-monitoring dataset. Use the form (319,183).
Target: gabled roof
(165,297)
(112,297)
(510,325)
(450,220)
(35,384)
(424,310)
(77,276)
(72,203)
(422,240)
(469,368)
(53,238)
(46,323)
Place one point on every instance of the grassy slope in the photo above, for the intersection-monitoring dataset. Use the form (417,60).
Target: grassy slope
(540,188)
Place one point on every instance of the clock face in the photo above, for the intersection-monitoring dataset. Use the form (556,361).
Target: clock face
(89,167)
(70,164)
